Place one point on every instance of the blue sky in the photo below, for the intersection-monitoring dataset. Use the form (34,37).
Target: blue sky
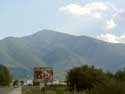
(102,19)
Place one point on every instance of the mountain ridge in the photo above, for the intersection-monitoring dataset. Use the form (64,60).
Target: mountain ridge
(61,51)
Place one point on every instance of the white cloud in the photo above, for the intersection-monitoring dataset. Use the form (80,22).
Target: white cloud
(110,15)
(121,39)
(110,24)
(94,9)
(112,38)
(108,38)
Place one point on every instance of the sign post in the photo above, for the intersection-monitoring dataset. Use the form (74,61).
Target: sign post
(43,75)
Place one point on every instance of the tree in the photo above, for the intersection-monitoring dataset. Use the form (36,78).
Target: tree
(22,83)
(15,83)
(5,77)
(120,75)
(110,75)
(84,77)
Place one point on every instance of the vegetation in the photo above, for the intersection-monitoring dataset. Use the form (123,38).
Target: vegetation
(52,89)
(109,87)
(84,77)
(22,82)
(120,75)
(15,83)
(94,81)
(5,77)
(31,90)
(85,80)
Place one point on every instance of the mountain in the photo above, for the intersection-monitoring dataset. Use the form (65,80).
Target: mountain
(61,51)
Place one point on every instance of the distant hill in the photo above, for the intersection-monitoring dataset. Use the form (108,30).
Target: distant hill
(61,51)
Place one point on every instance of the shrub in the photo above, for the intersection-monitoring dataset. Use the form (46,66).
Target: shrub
(109,87)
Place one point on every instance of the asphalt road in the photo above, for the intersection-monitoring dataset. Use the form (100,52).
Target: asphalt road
(10,90)
(5,90)
(15,91)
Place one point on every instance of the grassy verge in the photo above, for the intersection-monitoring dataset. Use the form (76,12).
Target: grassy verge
(31,90)
(48,90)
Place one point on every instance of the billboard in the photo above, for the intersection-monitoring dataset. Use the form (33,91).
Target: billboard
(43,74)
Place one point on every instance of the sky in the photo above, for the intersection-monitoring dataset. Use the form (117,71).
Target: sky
(101,19)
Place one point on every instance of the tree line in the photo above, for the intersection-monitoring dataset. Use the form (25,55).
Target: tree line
(93,80)
(86,78)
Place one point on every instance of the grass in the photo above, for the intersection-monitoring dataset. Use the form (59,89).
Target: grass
(31,90)
(48,90)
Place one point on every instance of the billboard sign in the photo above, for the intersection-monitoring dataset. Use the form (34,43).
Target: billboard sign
(43,74)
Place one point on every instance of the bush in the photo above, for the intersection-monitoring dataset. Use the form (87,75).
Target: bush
(60,91)
(15,83)
(22,83)
(109,87)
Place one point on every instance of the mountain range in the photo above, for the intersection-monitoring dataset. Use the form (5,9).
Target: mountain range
(60,51)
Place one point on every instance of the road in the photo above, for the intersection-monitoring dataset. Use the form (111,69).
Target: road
(5,90)
(16,91)
(10,90)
